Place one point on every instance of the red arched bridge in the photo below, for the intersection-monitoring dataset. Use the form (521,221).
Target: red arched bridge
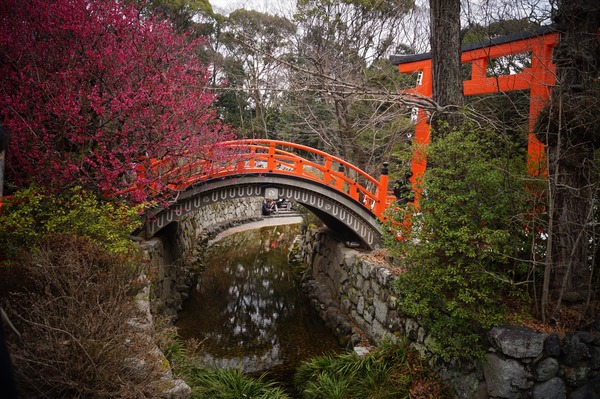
(340,194)
(343,196)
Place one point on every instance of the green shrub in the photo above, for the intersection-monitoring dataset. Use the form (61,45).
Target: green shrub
(467,248)
(30,214)
(209,382)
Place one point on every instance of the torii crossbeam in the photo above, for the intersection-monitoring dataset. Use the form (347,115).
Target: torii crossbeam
(538,79)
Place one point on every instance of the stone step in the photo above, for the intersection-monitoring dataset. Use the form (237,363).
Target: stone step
(283,213)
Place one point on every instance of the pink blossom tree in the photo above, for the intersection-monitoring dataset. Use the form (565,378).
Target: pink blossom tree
(93,91)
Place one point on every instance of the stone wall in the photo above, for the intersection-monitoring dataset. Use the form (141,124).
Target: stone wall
(353,292)
(197,227)
(170,256)
(173,253)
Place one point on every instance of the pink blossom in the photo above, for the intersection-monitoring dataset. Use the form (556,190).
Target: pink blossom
(92,88)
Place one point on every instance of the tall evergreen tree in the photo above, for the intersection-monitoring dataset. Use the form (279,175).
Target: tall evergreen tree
(570,128)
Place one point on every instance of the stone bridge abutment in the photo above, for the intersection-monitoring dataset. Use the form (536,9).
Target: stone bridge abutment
(353,288)
(174,250)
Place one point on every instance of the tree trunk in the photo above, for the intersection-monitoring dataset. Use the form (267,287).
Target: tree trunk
(445,59)
(574,190)
(570,127)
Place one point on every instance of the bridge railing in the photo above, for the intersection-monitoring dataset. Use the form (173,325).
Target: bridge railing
(240,157)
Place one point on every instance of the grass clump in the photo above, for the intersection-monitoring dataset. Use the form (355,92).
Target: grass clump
(392,371)
(212,382)
(215,383)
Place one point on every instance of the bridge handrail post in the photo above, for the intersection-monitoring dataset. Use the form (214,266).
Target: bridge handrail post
(327,171)
(339,182)
(251,158)
(382,191)
(271,165)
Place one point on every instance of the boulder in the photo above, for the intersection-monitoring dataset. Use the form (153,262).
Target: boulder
(552,345)
(574,350)
(588,391)
(552,389)
(505,377)
(517,341)
(546,369)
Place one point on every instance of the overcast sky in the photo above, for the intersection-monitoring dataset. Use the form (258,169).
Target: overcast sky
(270,6)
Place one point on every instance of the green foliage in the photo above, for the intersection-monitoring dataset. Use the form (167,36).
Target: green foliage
(31,214)
(173,347)
(381,6)
(467,247)
(391,371)
(252,40)
(212,383)
(480,34)
(215,383)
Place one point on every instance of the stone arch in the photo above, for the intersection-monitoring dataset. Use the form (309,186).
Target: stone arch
(338,211)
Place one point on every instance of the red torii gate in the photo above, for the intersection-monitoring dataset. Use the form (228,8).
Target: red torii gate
(538,79)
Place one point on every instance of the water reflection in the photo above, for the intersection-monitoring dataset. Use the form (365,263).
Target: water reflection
(248,311)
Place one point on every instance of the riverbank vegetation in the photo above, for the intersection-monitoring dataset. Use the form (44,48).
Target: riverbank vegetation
(389,371)
(93,92)
(470,244)
(68,279)
(219,383)
(34,212)
(208,382)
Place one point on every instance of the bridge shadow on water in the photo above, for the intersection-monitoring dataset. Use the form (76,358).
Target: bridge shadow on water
(249,311)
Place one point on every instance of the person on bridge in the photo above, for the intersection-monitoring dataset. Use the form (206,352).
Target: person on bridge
(269,207)
(283,203)
(266,210)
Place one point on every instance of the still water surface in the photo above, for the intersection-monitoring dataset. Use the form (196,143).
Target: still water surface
(248,310)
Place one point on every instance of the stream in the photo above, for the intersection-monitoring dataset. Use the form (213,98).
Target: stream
(248,309)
